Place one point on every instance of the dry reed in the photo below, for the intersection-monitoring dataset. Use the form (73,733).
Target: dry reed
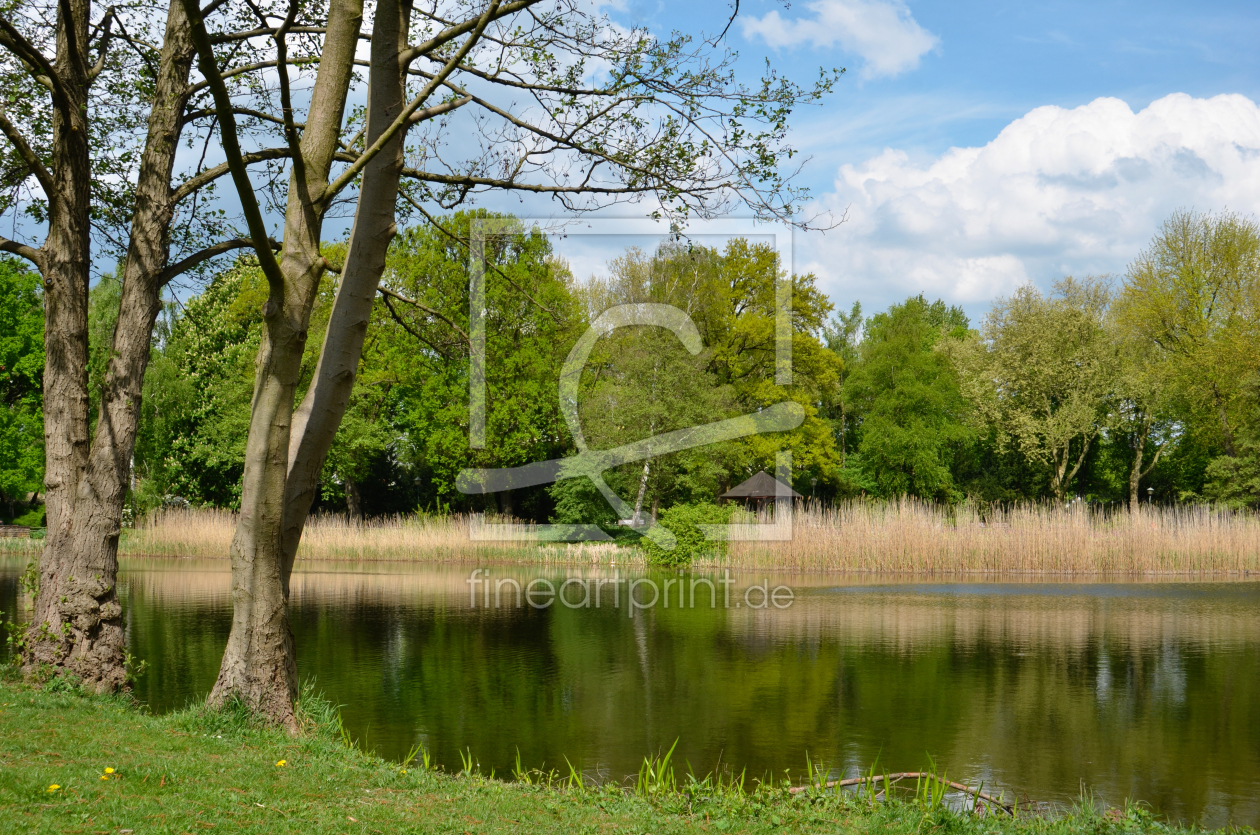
(207,532)
(906,536)
(913,536)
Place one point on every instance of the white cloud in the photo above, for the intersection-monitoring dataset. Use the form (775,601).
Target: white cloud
(882,32)
(1058,191)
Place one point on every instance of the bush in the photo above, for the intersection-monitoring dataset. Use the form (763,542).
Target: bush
(683,521)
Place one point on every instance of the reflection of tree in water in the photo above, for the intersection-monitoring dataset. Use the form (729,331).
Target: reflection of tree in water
(1147,692)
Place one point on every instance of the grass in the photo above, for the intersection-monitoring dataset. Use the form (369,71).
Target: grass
(906,536)
(78,764)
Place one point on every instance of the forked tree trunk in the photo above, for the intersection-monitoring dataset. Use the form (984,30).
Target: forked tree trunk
(258,664)
(317,419)
(1136,473)
(77,623)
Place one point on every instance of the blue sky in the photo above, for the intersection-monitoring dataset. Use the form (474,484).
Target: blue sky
(981,145)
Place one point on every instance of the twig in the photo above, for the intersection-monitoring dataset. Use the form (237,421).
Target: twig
(889,779)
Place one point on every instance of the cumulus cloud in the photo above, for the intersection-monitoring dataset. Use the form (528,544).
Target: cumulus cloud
(882,32)
(1059,191)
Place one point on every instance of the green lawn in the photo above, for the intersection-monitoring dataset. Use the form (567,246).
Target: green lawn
(201,771)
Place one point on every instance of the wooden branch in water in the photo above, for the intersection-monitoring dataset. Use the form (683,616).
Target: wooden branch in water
(889,779)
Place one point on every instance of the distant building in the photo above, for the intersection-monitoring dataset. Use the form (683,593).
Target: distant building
(758,491)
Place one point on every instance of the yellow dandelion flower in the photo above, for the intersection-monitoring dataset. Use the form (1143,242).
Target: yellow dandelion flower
(281,763)
(54,787)
(104,776)
(109,770)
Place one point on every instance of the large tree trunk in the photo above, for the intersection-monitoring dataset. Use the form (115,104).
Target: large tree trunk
(258,664)
(66,589)
(78,620)
(316,421)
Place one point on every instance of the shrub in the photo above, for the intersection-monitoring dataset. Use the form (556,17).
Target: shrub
(683,521)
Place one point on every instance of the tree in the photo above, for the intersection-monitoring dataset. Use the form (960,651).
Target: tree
(191,444)
(1044,374)
(418,359)
(1189,304)
(1145,405)
(644,383)
(660,119)
(731,295)
(911,412)
(93,117)
(21,369)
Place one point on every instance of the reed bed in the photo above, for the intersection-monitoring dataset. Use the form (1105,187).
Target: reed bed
(896,537)
(207,532)
(914,536)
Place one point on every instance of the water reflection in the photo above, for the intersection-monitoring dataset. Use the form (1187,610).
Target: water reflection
(1147,691)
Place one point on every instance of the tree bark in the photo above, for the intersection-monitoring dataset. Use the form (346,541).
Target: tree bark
(258,664)
(62,634)
(354,507)
(316,421)
(78,620)
(638,500)
(1135,472)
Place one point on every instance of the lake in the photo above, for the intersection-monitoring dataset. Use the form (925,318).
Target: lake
(1149,691)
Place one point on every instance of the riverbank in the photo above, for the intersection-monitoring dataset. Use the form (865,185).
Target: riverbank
(77,764)
(897,537)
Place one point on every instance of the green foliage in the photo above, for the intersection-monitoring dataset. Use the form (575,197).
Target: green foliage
(198,389)
(684,521)
(418,352)
(913,418)
(656,775)
(577,501)
(21,386)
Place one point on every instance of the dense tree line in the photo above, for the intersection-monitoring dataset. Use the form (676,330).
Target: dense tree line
(405,437)
(1098,390)
(1142,387)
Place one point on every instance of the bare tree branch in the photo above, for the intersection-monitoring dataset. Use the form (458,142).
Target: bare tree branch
(102,45)
(206,254)
(286,99)
(452,32)
(30,253)
(347,176)
(210,174)
(36,63)
(385,291)
(28,155)
(439,109)
(239,111)
(229,37)
(235,71)
(232,149)
(394,315)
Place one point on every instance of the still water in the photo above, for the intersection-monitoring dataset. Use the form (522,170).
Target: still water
(1142,691)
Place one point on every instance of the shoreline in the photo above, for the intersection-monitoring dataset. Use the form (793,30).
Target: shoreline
(639,565)
(91,763)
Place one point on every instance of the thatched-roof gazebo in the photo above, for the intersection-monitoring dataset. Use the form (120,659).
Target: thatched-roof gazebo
(758,490)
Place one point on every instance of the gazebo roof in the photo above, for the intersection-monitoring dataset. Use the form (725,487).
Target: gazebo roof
(761,486)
